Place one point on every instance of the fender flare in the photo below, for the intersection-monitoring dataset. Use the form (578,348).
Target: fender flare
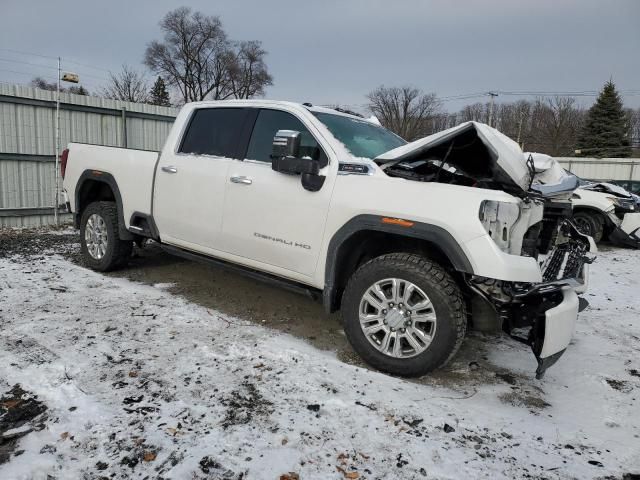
(423,231)
(106,178)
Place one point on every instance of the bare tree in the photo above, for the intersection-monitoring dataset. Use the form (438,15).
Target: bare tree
(198,59)
(634,130)
(249,74)
(548,125)
(512,119)
(407,111)
(128,85)
(555,125)
(476,112)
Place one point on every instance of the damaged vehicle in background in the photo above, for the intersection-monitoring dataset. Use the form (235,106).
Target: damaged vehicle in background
(412,242)
(601,210)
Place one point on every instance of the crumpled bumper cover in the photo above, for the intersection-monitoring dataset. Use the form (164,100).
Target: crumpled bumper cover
(552,332)
(627,233)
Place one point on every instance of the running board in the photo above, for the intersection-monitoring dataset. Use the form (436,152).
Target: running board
(267,278)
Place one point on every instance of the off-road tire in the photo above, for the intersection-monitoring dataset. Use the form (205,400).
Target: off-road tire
(117,251)
(591,224)
(441,289)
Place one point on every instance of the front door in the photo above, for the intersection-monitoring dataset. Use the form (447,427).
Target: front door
(268,216)
(191,180)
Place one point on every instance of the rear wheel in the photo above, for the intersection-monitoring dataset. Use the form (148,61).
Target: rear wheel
(100,243)
(404,314)
(590,224)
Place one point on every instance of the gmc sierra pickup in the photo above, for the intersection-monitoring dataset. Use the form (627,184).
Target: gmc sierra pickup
(413,242)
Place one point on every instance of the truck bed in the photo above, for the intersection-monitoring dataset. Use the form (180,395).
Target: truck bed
(131,169)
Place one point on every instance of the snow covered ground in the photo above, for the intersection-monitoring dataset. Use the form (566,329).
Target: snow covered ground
(139,383)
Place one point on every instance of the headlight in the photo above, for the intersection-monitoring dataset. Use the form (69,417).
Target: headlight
(624,203)
(498,218)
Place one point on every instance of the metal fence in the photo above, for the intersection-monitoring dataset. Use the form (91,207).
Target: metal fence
(623,171)
(27,142)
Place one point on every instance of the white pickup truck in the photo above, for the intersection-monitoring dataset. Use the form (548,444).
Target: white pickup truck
(413,242)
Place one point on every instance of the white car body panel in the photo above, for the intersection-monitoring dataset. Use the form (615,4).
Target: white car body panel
(597,200)
(631,223)
(560,322)
(413,200)
(121,163)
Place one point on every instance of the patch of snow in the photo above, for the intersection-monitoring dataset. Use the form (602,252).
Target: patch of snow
(374,119)
(140,382)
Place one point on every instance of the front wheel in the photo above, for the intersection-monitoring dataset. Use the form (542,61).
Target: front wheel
(100,242)
(590,224)
(404,314)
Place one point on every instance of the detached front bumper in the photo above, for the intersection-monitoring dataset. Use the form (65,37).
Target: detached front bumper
(626,232)
(543,315)
(551,335)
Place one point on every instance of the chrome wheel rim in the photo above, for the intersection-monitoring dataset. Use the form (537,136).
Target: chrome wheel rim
(397,318)
(95,236)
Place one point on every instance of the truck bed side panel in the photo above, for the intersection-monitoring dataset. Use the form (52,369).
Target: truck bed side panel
(132,170)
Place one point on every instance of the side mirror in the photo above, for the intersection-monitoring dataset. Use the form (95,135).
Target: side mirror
(285,156)
(286,143)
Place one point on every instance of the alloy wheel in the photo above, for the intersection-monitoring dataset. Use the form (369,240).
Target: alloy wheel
(397,318)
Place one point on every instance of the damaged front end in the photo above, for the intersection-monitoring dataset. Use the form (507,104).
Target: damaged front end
(540,308)
(541,315)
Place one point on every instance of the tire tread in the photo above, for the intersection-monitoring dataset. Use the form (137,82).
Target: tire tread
(421,266)
(121,248)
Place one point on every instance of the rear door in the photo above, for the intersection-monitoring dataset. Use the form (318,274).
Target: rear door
(268,216)
(190,180)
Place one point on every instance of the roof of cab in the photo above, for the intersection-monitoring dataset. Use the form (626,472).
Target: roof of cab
(263,102)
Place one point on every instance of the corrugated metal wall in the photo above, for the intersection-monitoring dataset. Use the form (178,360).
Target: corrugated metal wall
(620,169)
(27,142)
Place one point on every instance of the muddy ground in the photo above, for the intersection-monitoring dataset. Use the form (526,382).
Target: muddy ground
(238,296)
(484,412)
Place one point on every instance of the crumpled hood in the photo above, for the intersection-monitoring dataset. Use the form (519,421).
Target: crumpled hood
(604,187)
(551,179)
(496,155)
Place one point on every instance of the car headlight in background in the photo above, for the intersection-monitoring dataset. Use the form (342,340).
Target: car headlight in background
(498,219)
(624,203)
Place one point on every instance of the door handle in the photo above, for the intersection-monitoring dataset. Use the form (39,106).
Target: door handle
(242,180)
(170,169)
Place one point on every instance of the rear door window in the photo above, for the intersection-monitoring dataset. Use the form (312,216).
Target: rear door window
(214,131)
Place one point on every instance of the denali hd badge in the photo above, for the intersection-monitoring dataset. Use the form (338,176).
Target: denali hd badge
(282,240)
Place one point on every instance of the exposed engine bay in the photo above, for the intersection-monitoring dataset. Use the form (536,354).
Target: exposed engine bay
(436,170)
(471,154)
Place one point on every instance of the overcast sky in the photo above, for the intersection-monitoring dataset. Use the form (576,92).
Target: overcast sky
(335,51)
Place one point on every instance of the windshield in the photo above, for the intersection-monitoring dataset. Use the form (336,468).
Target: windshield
(362,138)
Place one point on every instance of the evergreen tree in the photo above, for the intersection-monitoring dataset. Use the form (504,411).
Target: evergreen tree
(606,130)
(159,94)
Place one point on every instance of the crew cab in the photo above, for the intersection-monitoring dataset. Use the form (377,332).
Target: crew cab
(412,242)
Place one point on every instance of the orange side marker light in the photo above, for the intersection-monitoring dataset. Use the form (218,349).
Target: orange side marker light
(397,221)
